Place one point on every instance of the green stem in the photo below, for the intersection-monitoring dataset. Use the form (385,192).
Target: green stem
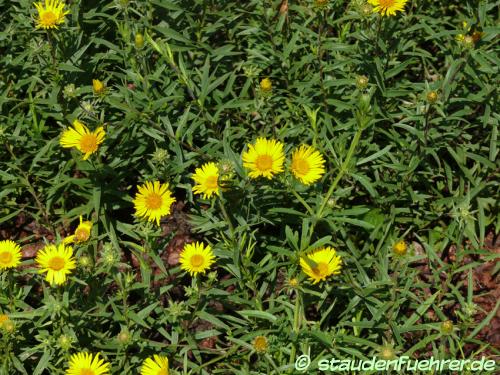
(342,172)
(301,200)
(227,218)
(296,324)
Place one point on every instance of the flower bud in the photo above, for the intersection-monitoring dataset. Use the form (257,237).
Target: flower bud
(468,41)
(123,337)
(260,344)
(139,41)
(447,327)
(366,10)
(400,248)
(432,97)
(266,85)
(387,352)
(361,82)
(98,87)
(64,342)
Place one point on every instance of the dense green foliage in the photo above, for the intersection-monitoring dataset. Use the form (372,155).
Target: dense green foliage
(182,88)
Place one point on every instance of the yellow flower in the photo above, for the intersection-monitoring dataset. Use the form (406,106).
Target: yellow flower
(57,262)
(82,232)
(265,158)
(399,248)
(388,7)
(307,165)
(196,258)
(82,138)
(50,14)
(321,263)
(293,283)
(153,201)
(10,254)
(98,87)
(266,85)
(86,364)
(158,365)
(3,319)
(207,180)
(432,97)
(260,344)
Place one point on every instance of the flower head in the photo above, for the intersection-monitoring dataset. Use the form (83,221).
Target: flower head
(307,165)
(10,254)
(57,262)
(196,258)
(98,86)
(388,7)
(80,137)
(153,201)
(82,232)
(158,365)
(260,344)
(50,14)
(265,158)
(399,248)
(3,319)
(266,85)
(321,263)
(207,180)
(432,97)
(87,364)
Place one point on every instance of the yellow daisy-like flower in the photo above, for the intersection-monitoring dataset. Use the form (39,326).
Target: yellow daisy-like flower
(321,263)
(207,180)
(307,164)
(82,232)
(153,201)
(158,365)
(10,254)
(50,14)
(86,364)
(196,258)
(57,262)
(82,138)
(388,7)
(265,158)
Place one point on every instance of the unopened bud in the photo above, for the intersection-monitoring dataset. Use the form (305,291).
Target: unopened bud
(139,41)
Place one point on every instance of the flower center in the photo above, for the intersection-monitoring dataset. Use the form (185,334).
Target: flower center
(153,201)
(264,162)
(88,143)
(162,372)
(321,269)
(301,166)
(197,260)
(56,263)
(86,371)
(211,182)
(48,18)
(82,234)
(386,3)
(5,257)
(260,343)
